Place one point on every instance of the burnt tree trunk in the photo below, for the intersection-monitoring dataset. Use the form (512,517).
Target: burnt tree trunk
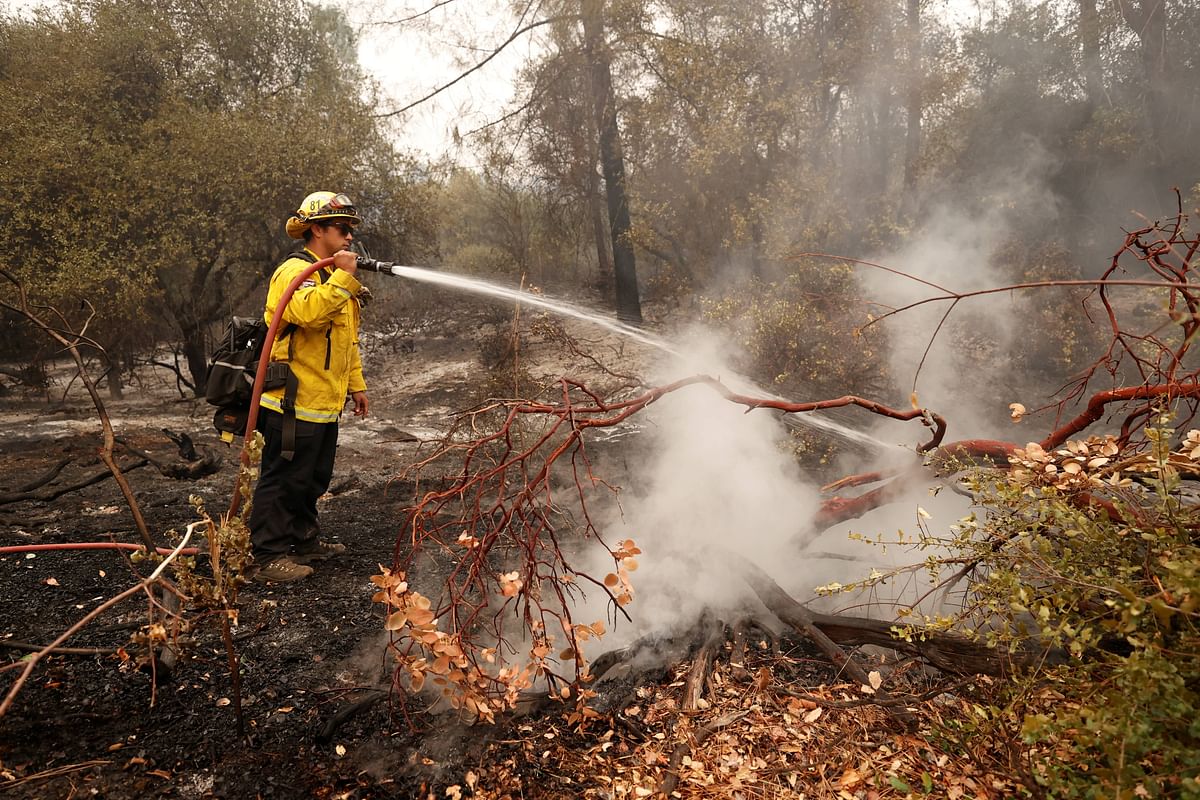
(587,141)
(612,162)
(879,115)
(912,98)
(1148,19)
(112,374)
(604,265)
(195,355)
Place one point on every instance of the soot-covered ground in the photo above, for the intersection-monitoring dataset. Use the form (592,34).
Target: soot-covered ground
(91,724)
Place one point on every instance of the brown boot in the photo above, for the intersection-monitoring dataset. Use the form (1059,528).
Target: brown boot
(282,570)
(318,551)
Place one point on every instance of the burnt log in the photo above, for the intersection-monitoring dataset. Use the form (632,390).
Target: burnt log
(949,652)
(44,478)
(82,483)
(783,606)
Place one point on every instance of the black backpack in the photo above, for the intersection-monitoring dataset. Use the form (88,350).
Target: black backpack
(232,366)
(231,371)
(233,362)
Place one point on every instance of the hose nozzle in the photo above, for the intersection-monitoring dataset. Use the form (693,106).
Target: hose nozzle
(373,265)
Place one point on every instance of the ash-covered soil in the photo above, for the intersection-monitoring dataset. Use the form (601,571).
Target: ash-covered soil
(91,723)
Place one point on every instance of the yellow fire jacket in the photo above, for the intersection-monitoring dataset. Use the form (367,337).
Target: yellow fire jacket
(324,342)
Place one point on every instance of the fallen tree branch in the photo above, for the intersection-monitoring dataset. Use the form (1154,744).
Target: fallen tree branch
(82,483)
(1095,407)
(44,478)
(13,644)
(346,712)
(207,464)
(55,772)
(671,779)
(909,700)
(840,509)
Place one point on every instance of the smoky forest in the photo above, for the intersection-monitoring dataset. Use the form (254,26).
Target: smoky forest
(768,399)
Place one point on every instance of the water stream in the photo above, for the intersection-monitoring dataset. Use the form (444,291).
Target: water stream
(562,308)
(567,309)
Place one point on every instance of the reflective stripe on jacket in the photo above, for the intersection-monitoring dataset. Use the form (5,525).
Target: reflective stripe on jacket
(324,341)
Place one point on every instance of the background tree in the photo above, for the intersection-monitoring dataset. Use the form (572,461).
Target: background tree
(163,146)
(612,159)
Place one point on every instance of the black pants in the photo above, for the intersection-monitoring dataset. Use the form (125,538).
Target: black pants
(284,513)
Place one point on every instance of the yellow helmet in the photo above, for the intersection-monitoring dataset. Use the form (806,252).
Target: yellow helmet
(320,206)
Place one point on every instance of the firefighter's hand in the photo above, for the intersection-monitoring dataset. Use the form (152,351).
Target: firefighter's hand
(346,261)
(360,403)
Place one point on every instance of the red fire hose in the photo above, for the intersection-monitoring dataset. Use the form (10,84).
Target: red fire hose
(30,548)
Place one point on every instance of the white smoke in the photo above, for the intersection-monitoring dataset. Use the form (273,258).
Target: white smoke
(716,479)
(954,250)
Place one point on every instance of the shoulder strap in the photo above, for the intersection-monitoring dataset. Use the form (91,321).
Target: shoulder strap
(321,275)
(303,255)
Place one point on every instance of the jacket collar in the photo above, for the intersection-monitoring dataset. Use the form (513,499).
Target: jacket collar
(325,270)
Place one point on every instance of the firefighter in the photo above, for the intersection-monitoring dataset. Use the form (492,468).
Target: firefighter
(318,341)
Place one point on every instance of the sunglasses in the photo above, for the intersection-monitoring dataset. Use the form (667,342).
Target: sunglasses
(345,227)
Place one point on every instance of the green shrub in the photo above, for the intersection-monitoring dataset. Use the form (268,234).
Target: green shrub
(801,339)
(802,335)
(1114,589)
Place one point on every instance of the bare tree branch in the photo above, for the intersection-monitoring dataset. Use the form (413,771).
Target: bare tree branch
(418,15)
(513,37)
(71,341)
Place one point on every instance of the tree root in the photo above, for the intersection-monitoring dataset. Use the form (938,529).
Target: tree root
(788,610)
(347,712)
(645,661)
(737,653)
(949,652)
(702,664)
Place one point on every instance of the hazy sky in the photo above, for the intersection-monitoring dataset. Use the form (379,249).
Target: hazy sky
(411,58)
